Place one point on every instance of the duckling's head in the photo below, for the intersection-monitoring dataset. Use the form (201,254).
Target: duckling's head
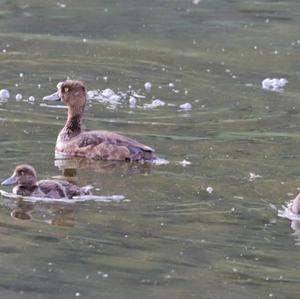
(72,92)
(24,175)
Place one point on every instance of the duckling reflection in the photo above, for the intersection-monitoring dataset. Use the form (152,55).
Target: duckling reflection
(25,179)
(53,215)
(23,210)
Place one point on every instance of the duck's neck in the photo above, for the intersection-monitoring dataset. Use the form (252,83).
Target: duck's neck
(25,190)
(29,183)
(72,127)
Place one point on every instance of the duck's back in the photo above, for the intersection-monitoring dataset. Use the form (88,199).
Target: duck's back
(73,190)
(52,189)
(104,145)
(61,189)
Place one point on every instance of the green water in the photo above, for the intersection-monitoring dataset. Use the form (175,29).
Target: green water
(170,238)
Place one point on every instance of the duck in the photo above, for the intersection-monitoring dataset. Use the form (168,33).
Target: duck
(99,145)
(25,179)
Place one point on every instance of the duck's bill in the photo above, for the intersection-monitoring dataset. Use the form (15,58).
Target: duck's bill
(10,181)
(52,97)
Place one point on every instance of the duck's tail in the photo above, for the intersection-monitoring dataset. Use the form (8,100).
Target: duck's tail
(86,190)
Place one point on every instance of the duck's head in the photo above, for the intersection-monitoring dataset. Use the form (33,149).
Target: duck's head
(23,175)
(71,92)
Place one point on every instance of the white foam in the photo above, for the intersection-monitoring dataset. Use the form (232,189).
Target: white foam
(110,198)
(19,97)
(274,84)
(132,102)
(4,94)
(155,103)
(286,212)
(184,163)
(107,92)
(210,190)
(148,86)
(160,161)
(54,106)
(185,106)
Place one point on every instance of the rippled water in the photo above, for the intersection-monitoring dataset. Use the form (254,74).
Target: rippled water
(208,229)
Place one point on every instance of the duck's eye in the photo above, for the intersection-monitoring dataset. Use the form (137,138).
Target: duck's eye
(66,89)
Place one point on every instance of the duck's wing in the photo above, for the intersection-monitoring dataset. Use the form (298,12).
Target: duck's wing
(111,146)
(52,189)
(97,137)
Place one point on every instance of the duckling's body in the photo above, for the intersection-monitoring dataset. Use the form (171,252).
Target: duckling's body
(27,185)
(102,145)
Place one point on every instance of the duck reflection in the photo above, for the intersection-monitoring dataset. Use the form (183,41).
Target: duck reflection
(69,166)
(51,213)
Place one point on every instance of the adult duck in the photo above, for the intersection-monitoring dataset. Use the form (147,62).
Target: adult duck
(102,145)
(25,179)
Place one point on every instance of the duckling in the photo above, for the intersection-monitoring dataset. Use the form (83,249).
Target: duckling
(101,145)
(27,185)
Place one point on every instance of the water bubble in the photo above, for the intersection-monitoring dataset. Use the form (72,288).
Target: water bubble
(184,163)
(209,190)
(4,94)
(62,5)
(132,101)
(156,103)
(148,86)
(91,94)
(186,106)
(107,92)
(274,84)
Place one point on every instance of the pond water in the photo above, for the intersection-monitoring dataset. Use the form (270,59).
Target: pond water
(205,225)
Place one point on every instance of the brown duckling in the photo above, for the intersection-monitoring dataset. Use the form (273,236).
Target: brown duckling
(25,179)
(102,145)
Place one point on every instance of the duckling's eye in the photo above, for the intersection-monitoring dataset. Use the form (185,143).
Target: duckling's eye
(66,89)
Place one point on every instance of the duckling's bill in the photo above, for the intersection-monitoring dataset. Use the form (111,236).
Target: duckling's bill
(10,181)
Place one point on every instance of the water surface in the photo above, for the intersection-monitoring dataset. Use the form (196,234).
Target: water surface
(170,238)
